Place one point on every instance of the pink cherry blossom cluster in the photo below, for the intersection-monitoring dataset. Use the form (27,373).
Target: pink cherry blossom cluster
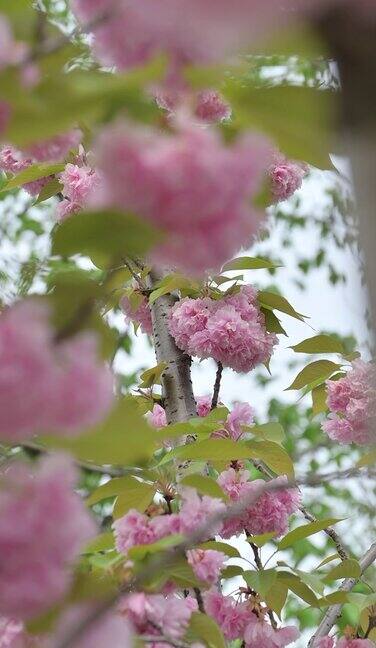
(207,105)
(48,387)
(270,513)
(241,414)
(155,614)
(53,150)
(140,314)
(352,402)
(343,642)
(243,619)
(286,177)
(136,528)
(189,184)
(230,330)
(43,527)
(79,181)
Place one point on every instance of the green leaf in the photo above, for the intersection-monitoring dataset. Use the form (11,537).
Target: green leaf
(224,547)
(306,530)
(299,588)
(319,344)
(276,597)
(327,560)
(272,323)
(349,568)
(52,188)
(124,438)
(262,539)
(273,301)
(318,370)
(319,397)
(268,431)
(299,119)
(153,375)
(137,496)
(205,629)
(232,571)
(171,283)
(138,552)
(261,581)
(34,172)
(205,486)
(102,542)
(109,235)
(209,450)
(249,263)
(110,489)
(273,455)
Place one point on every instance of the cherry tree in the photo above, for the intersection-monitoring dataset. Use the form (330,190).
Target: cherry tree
(145,146)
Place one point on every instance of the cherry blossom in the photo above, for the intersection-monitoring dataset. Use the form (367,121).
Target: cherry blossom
(138,312)
(286,177)
(206,564)
(43,527)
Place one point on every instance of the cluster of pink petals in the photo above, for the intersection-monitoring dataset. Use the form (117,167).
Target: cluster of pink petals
(136,528)
(206,564)
(269,514)
(237,620)
(11,52)
(352,402)
(157,417)
(48,387)
(43,527)
(52,150)
(230,330)
(343,642)
(208,106)
(286,177)
(79,181)
(140,315)
(155,614)
(12,633)
(190,185)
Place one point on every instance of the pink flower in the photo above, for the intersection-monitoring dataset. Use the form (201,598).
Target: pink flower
(43,527)
(132,529)
(56,148)
(345,642)
(231,617)
(154,613)
(203,404)
(66,208)
(286,177)
(269,513)
(195,511)
(139,312)
(260,633)
(51,150)
(325,642)
(352,402)
(64,386)
(190,185)
(78,182)
(230,330)
(211,107)
(11,633)
(207,564)
(157,417)
(242,414)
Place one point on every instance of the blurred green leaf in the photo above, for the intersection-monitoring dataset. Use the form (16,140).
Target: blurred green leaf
(249,263)
(204,485)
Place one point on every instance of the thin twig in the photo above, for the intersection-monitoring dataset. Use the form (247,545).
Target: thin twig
(217,385)
(140,282)
(199,599)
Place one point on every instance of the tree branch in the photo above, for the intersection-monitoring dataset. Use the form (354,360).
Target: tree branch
(217,385)
(334,612)
(177,391)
